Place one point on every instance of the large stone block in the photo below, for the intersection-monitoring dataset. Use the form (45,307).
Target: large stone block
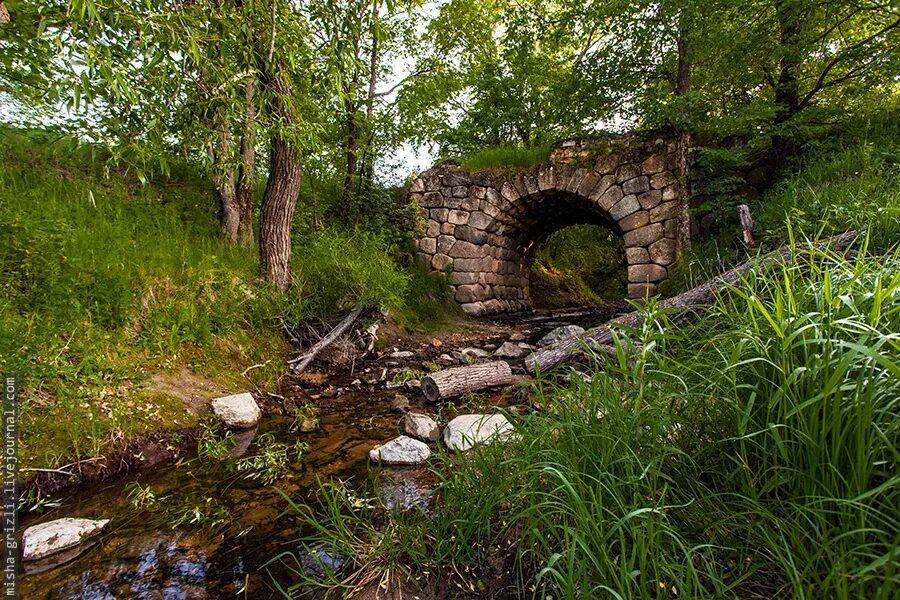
(626,172)
(479,220)
(661,180)
(546,177)
(588,183)
(607,165)
(469,203)
(448,228)
(441,261)
(663,251)
(624,207)
(463,249)
(637,185)
(643,236)
(469,234)
(444,243)
(670,193)
(649,273)
(473,309)
(563,173)
(670,228)
(432,228)
(460,191)
(454,178)
(602,187)
(610,197)
(634,220)
(531,183)
(666,210)
(636,291)
(439,214)
(575,180)
(637,256)
(458,217)
(478,191)
(417,186)
(470,293)
(508,191)
(650,199)
(428,245)
(465,278)
(653,165)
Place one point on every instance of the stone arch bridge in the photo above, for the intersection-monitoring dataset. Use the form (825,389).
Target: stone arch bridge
(481,227)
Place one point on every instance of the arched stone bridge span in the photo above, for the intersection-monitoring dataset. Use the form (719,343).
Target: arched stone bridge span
(481,227)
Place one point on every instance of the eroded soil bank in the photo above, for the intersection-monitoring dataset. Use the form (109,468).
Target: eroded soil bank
(209,530)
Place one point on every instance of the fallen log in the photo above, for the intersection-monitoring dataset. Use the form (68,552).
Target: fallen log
(450,383)
(601,337)
(299,364)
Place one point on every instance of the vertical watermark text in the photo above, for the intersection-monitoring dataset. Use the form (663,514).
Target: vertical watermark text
(10,498)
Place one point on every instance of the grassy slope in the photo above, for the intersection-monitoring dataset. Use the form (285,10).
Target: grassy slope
(106,282)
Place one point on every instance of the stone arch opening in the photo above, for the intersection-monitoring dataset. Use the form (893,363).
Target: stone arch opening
(480,227)
(578,265)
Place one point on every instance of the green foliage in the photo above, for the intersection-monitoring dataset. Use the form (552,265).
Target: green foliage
(271,461)
(428,303)
(750,453)
(851,180)
(581,264)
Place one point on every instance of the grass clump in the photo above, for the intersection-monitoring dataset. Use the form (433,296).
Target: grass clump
(751,455)
(499,157)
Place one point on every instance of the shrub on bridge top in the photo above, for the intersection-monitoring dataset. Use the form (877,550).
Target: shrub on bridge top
(500,157)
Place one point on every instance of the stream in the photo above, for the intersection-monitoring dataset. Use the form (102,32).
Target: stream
(141,555)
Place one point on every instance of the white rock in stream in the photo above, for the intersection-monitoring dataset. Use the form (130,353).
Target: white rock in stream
(46,539)
(510,350)
(402,354)
(422,427)
(239,411)
(559,334)
(466,431)
(401,451)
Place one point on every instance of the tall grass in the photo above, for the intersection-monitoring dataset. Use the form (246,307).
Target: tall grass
(499,157)
(751,454)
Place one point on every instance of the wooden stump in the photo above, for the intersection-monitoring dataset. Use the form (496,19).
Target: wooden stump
(450,383)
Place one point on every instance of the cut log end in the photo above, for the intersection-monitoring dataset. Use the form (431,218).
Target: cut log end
(450,383)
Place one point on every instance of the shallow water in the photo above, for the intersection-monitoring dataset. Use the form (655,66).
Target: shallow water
(140,556)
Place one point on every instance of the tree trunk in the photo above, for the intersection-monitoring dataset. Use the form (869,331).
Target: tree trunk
(226,200)
(450,383)
(247,171)
(282,189)
(787,89)
(601,338)
(352,151)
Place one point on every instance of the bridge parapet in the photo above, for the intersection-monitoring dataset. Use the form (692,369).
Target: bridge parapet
(480,227)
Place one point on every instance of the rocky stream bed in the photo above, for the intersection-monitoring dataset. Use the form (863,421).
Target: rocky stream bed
(197,529)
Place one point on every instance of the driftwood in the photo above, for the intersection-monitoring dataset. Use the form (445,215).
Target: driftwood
(450,383)
(601,338)
(299,364)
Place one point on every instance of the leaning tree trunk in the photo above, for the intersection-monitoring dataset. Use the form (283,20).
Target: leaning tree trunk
(600,339)
(247,172)
(450,383)
(280,198)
